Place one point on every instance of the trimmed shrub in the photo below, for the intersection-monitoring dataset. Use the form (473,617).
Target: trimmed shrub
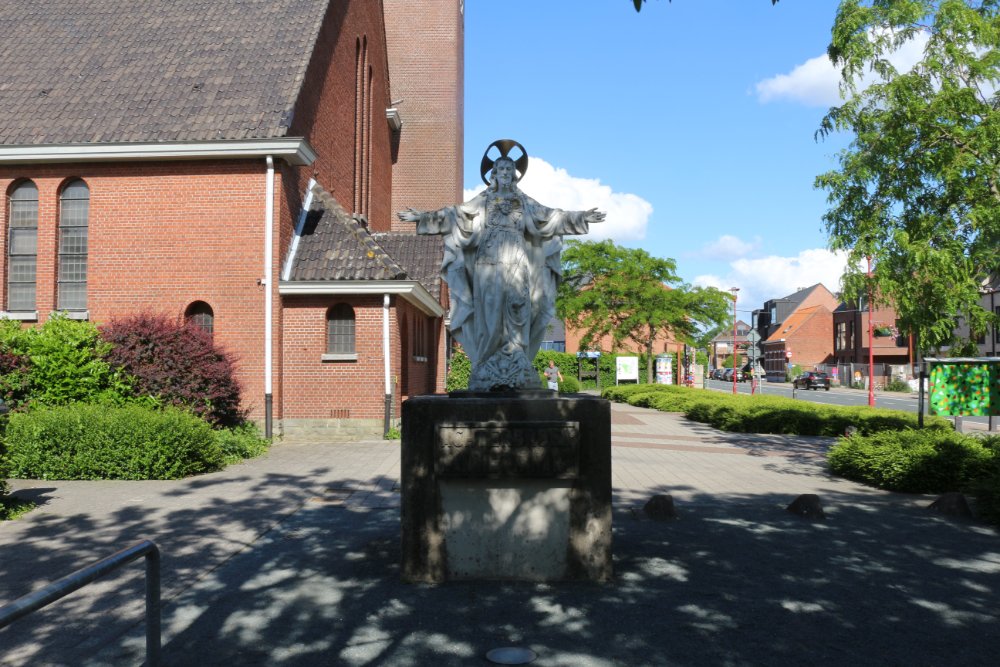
(177,363)
(86,441)
(767,414)
(569,385)
(240,442)
(986,488)
(912,461)
(896,384)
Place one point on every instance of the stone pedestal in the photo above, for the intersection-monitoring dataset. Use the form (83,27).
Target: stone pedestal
(513,486)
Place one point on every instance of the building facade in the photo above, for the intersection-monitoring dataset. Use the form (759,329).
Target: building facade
(171,170)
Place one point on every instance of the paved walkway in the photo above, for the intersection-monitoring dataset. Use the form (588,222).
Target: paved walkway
(293,559)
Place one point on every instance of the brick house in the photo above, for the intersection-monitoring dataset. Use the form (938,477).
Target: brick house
(796,329)
(890,346)
(180,158)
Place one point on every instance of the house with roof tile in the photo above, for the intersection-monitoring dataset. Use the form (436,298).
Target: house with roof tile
(239,163)
(796,330)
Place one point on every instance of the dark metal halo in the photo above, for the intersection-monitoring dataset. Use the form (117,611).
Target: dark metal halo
(505,145)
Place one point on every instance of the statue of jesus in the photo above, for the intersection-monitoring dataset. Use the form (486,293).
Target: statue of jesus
(501,263)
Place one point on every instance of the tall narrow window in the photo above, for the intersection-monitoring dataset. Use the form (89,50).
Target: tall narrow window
(22,247)
(340,330)
(200,315)
(74,210)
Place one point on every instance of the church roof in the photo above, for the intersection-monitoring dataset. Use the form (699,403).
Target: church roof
(86,71)
(336,246)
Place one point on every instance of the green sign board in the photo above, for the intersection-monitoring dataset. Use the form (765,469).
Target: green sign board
(967,387)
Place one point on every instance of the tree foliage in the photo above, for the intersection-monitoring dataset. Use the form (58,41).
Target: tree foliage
(628,294)
(918,188)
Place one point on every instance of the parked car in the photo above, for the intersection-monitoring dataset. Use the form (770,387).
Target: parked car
(718,373)
(727,375)
(812,380)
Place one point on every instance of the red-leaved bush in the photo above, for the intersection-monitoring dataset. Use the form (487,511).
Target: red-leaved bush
(178,363)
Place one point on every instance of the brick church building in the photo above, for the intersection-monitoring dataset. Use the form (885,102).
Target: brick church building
(239,163)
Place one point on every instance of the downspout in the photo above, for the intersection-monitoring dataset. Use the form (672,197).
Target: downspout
(385,355)
(268,297)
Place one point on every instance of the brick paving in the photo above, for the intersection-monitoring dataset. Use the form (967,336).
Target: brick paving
(292,559)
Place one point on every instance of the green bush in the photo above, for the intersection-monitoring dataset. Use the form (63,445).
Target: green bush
(925,461)
(65,363)
(896,384)
(569,385)
(89,441)
(459,370)
(767,414)
(240,442)
(986,488)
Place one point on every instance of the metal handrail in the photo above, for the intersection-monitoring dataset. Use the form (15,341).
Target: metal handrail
(60,588)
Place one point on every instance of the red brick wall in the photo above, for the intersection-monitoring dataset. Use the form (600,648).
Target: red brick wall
(162,235)
(325,111)
(316,389)
(812,342)
(419,374)
(426,41)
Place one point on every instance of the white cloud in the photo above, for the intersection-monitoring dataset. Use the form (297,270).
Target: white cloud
(813,83)
(727,246)
(627,214)
(816,81)
(774,277)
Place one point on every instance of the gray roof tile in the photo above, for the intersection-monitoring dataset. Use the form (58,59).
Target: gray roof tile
(335,246)
(80,71)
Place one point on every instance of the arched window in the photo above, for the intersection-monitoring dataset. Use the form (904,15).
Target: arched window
(22,247)
(340,330)
(74,211)
(200,314)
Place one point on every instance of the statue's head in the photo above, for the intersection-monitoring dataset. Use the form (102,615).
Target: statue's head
(504,173)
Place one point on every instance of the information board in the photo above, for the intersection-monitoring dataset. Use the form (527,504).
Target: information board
(626,368)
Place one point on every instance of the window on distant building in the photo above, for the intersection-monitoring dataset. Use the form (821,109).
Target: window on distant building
(22,247)
(340,330)
(200,314)
(841,341)
(74,210)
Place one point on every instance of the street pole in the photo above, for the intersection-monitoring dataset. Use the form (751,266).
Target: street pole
(734,290)
(871,351)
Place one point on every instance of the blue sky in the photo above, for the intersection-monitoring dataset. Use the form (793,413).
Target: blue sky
(691,123)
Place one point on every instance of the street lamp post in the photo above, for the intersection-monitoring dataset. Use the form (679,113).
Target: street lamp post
(871,352)
(734,290)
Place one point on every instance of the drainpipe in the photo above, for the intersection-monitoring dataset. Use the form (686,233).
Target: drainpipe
(266,283)
(385,355)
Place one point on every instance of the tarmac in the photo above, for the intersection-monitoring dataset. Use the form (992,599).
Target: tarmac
(293,559)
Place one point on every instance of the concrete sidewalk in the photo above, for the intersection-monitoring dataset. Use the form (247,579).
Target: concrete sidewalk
(293,559)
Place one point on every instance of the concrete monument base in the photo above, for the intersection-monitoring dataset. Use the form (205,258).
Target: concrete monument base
(513,486)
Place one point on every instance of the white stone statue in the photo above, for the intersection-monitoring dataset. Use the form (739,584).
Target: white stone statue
(501,263)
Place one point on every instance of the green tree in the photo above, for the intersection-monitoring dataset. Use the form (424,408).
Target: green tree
(628,294)
(918,187)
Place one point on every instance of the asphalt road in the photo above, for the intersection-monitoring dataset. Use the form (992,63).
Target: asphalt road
(843,396)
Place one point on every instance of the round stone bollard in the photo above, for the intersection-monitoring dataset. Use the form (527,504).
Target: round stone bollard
(660,508)
(807,506)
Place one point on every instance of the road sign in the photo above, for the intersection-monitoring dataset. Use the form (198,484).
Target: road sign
(753,337)
(788,354)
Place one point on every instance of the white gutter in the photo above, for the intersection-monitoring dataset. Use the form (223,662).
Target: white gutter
(411,290)
(293,150)
(388,368)
(268,293)
(287,272)
(385,343)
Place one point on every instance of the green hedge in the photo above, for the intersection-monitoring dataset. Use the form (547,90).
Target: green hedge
(913,461)
(86,441)
(767,414)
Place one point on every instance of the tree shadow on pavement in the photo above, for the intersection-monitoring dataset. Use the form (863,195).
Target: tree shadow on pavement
(734,580)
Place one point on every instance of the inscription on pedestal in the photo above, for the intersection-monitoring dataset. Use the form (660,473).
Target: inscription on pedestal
(539,449)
